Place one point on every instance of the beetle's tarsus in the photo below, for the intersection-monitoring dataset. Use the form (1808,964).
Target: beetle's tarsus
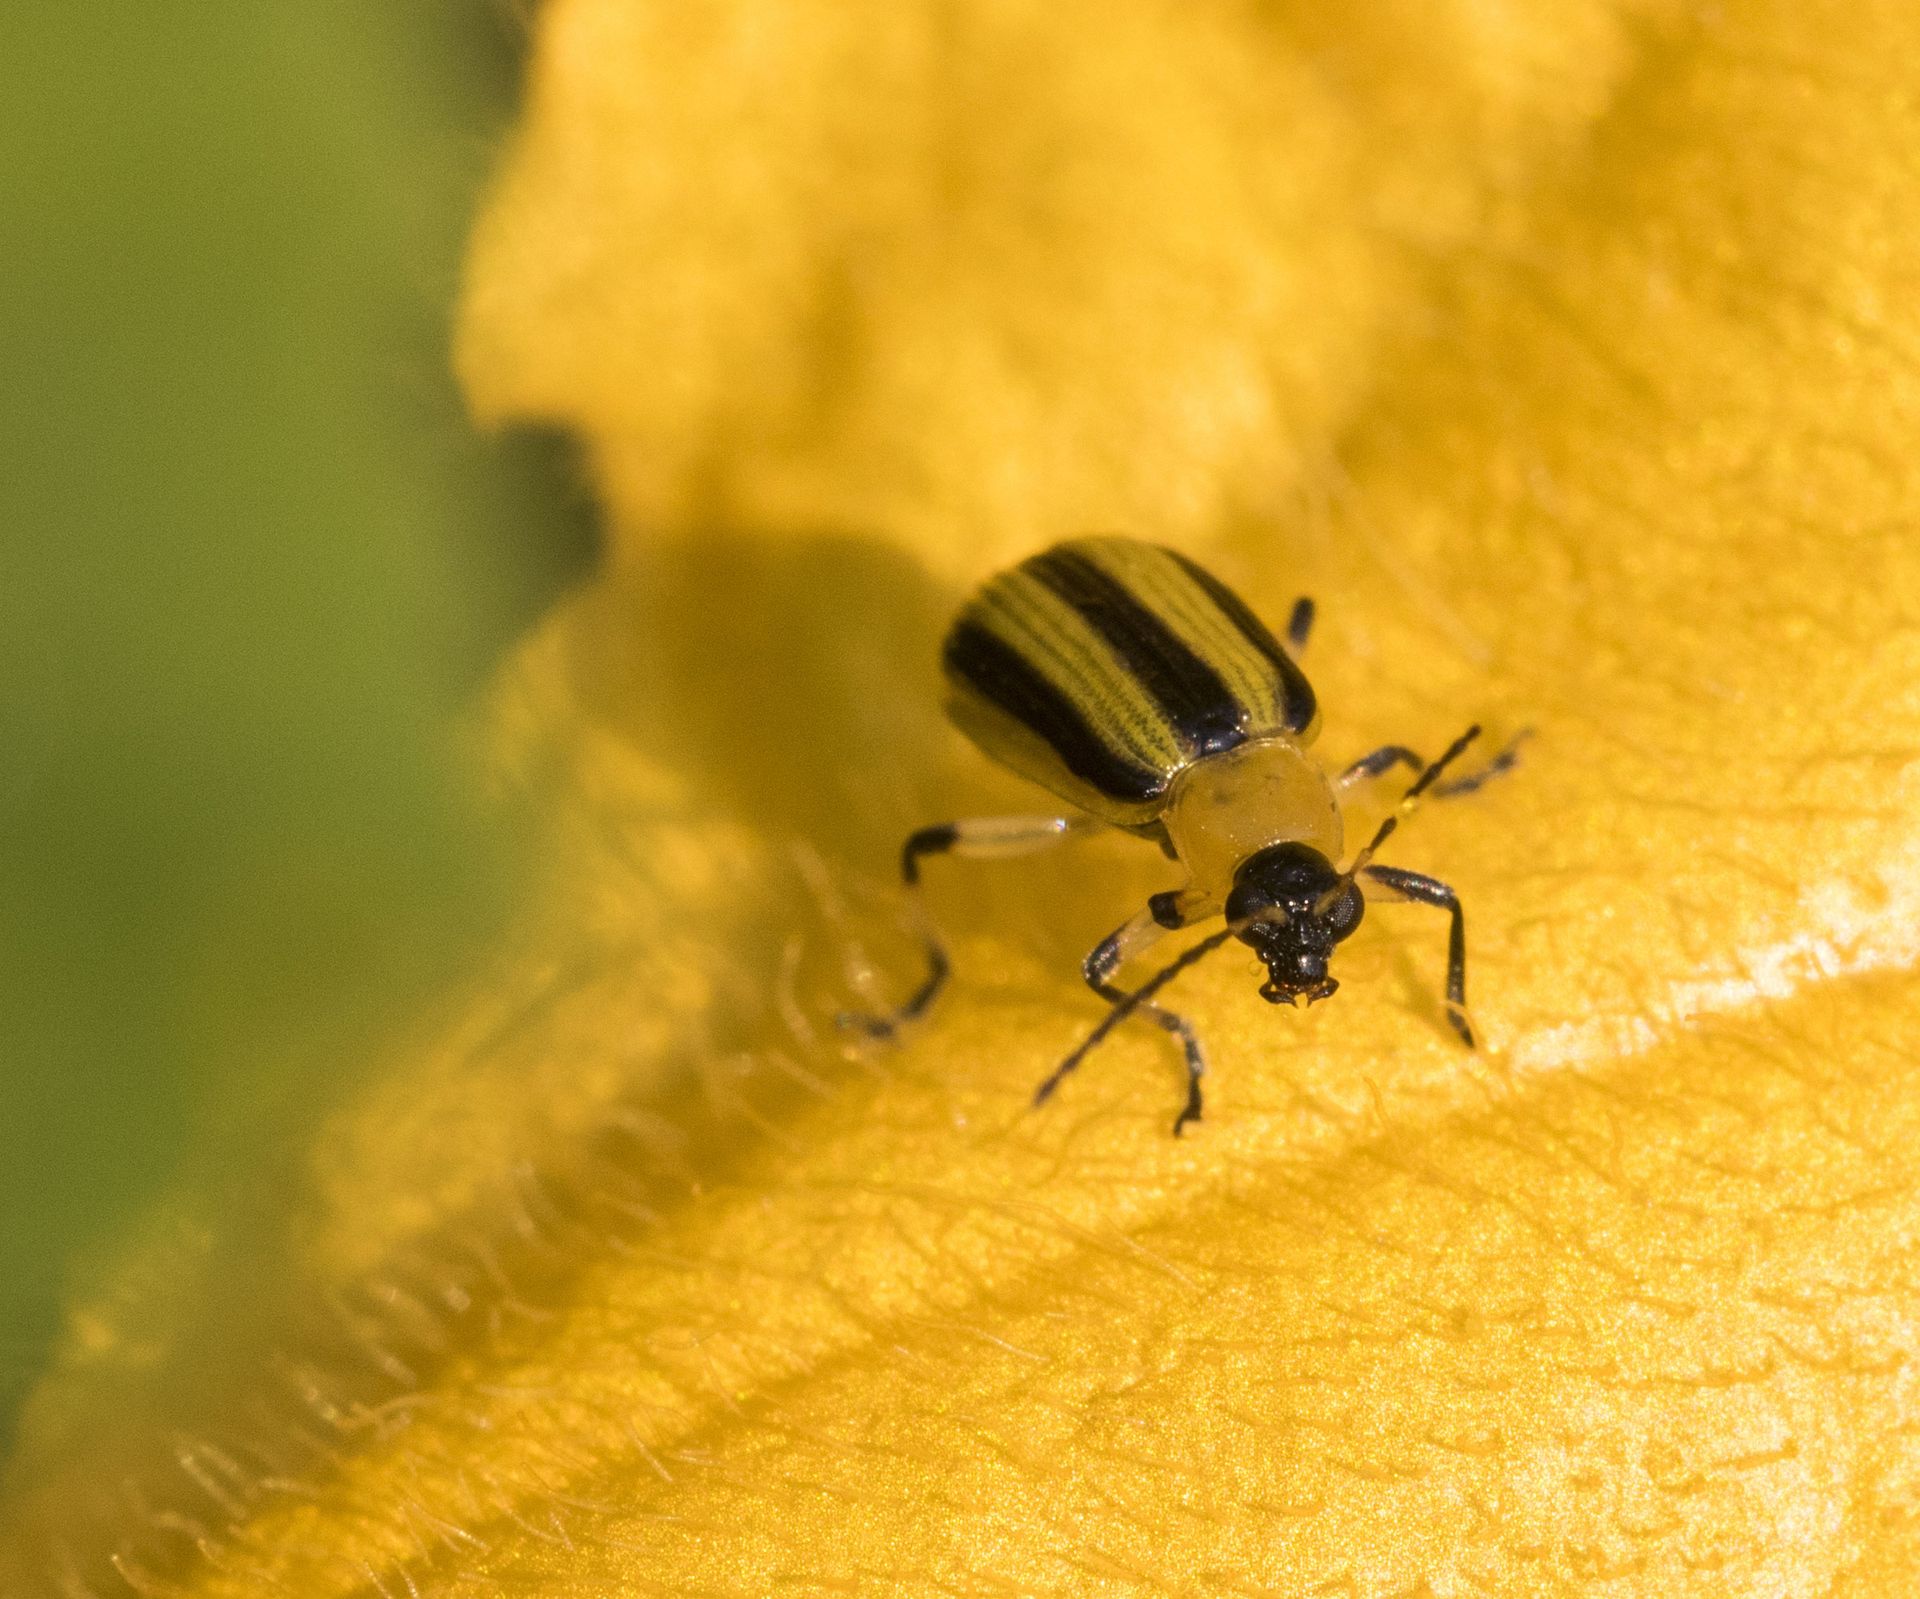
(1189,1112)
(881,1027)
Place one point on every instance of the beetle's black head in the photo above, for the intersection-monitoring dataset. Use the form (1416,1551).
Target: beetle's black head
(1296,907)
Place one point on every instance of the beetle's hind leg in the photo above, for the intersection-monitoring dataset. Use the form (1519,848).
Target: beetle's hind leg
(1395,883)
(982,838)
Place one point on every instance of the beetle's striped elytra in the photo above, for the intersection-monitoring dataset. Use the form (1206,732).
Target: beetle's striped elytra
(1137,687)
(1105,667)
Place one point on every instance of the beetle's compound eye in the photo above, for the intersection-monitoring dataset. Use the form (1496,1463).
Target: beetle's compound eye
(1344,915)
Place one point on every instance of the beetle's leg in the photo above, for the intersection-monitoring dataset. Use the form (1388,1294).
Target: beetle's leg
(1382,760)
(1164,914)
(1300,623)
(984,838)
(1389,756)
(1393,883)
(1505,761)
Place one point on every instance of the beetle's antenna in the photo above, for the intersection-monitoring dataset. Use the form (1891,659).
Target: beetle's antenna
(1124,1008)
(1408,801)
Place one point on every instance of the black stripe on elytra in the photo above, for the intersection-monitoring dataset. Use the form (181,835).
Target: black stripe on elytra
(1296,690)
(1191,695)
(1000,674)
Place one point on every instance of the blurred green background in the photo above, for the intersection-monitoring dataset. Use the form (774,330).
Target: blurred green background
(256,567)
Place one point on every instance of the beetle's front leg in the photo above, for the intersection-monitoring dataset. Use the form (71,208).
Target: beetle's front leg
(1394,883)
(1165,913)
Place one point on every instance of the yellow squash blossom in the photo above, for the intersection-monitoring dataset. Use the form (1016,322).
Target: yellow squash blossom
(1569,353)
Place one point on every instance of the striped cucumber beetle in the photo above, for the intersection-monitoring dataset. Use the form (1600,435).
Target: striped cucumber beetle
(1136,686)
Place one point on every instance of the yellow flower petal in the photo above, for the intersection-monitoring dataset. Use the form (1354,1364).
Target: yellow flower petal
(1565,354)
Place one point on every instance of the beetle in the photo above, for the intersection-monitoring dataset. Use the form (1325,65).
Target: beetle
(1133,684)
